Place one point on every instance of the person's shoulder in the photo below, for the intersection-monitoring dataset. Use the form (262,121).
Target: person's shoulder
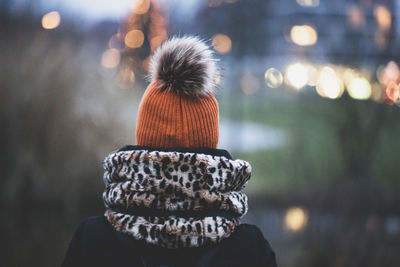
(247,235)
(247,246)
(96,243)
(93,223)
(96,221)
(249,231)
(95,233)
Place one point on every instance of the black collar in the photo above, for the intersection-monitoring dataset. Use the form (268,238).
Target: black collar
(201,150)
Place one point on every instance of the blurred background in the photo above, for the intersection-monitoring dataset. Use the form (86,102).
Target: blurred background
(308,94)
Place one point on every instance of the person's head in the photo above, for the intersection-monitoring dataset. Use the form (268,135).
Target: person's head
(178,108)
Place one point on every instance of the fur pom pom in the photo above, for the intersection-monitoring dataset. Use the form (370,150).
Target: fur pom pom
(184,65)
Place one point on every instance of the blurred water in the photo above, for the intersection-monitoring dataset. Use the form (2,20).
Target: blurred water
(243,136)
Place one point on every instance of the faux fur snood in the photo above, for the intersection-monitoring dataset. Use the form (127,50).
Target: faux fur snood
(174,199)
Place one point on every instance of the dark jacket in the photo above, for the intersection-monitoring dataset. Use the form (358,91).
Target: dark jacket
(97,243)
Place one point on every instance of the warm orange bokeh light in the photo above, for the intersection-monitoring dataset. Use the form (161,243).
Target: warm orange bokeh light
(222,43)
(51,20)
(303,35)
(393,92)
(383,17)
(157,31)
(389,73)
(141,6)
(296,219)
(156,41)
(355,16)
(134,38)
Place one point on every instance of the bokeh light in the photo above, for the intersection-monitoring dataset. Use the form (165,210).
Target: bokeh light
(297,75)
(222,43)
(110,58)
(273,78)
(393,91)
(383,17)
(348,75)
(296,219)
(249,84)
(157,30)
(388,73)
(134,38)
(116,41)
(355,16)
(126,76)
(156,41)
(312,75)
(308,3)
(141,6)
(303,35)
(377,93)
(51,20)
(214,3)
(359,88)
(329,84)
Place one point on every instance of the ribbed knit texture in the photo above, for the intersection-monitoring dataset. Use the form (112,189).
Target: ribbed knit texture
(167,119)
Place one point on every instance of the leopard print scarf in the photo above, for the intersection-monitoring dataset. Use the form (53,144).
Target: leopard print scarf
(174,199)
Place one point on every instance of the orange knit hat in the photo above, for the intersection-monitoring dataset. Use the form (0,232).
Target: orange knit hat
(178,108)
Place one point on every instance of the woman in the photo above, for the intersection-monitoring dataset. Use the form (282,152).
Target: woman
(174,199)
